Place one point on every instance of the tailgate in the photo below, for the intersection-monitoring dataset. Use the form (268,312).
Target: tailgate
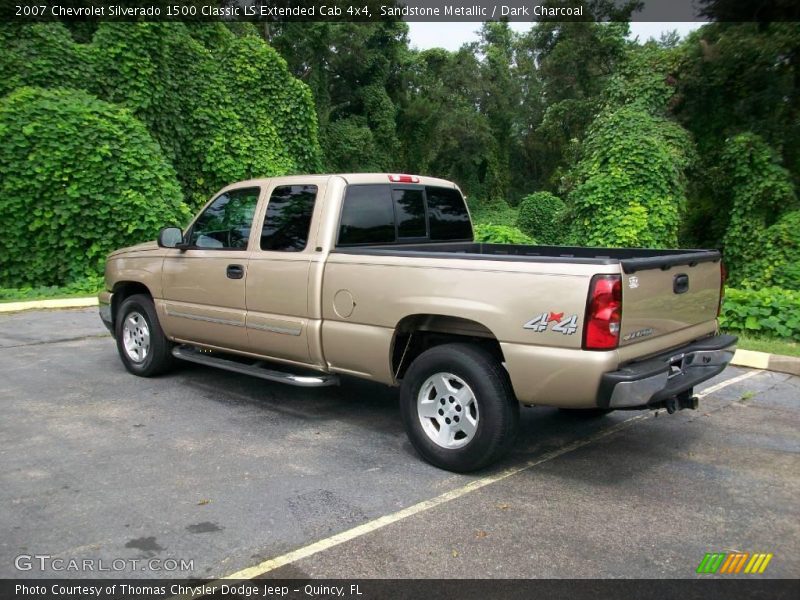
(657,300)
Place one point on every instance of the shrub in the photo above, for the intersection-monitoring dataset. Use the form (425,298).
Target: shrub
(773,311)
(498,212)
(78,178)
(779,264)
(541,214)
(501,234)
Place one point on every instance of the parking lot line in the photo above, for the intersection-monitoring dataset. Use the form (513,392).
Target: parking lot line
(370,526)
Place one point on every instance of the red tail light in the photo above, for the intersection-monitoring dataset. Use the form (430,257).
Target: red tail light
(603,313)
(723,277)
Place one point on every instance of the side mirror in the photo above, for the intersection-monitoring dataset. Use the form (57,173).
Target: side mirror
(170,237)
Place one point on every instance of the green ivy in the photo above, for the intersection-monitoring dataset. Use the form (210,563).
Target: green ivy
(779,263)
(761,242)
(630,187)
(223,106)
(772,311)
(501,234)
(79,177)
(542,215)
(498,212)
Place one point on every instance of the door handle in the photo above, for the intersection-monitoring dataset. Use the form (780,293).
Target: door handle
(235,271)
(680,284)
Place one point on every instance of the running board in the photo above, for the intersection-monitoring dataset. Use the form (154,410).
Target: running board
(256,369)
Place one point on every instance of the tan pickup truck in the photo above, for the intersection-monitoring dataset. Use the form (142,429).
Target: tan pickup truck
(302,279)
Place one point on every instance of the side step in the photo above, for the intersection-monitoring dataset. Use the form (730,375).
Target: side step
(256,369)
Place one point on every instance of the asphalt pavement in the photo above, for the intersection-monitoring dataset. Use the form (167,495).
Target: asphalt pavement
(227,471)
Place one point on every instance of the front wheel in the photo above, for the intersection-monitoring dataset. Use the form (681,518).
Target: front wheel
(141,343)
(458,407)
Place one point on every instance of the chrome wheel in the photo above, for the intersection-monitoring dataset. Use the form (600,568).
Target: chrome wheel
(136,337)
(447,410)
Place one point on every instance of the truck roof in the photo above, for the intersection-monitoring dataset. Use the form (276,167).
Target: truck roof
(350,178)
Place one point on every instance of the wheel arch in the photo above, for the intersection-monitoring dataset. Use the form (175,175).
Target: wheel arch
(123,290)
(418,332)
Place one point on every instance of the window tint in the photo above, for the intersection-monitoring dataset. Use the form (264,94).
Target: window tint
(227,220)
(367,215)
(409,211)
(288,218)
(447,214)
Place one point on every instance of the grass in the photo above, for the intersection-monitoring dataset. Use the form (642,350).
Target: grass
(79,289)
(771,345)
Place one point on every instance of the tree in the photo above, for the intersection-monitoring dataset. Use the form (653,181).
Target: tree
(736,78)
(354,72)
(629,186)
(758,243)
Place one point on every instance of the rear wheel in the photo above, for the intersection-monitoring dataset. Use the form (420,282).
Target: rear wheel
(458,407)
(141,343)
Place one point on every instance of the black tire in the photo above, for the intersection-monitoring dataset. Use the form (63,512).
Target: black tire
(158,358)
(497,408)
(587,413)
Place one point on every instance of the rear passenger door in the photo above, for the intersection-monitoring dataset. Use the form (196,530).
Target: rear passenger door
(282,314)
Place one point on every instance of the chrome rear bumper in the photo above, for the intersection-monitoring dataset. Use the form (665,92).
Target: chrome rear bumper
(650,382)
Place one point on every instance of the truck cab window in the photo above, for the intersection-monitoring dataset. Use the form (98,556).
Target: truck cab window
(288,218)
(367,216)
(447,212)
(409,210)
(226,222)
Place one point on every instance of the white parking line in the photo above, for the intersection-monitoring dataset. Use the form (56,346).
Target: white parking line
(380,522)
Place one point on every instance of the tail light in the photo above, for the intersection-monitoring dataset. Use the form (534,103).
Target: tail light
(723,277)
(603,313)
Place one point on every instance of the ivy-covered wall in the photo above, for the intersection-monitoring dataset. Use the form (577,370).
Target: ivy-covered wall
(215,107)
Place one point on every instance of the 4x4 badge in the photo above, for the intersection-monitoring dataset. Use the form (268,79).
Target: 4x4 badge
(565,325)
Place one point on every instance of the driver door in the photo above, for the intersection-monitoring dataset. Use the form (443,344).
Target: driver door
(204,285)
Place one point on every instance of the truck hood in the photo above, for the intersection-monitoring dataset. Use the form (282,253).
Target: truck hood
(146,246)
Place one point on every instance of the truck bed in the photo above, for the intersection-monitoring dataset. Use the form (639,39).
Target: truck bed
(631,259)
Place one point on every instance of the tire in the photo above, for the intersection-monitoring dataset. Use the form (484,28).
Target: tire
(458,407)
(144,349)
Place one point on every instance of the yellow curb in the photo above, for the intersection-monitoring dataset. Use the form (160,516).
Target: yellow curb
(751,358)
(52,303)
(769,362)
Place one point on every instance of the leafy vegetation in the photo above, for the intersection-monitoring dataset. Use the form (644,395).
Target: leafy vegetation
(501,234)
(769,311)
(223,107)
(760,247)
(76,191)
(89,286)
(692,142)
(543,215)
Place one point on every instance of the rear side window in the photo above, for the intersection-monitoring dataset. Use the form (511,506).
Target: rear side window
(288,218)
(367,215)
(449,219)
(387,214)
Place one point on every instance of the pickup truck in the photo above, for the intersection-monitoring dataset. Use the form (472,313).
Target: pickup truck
(304,279)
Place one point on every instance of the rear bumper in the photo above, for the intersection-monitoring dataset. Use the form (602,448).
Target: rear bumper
(650,382)
(104,301)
